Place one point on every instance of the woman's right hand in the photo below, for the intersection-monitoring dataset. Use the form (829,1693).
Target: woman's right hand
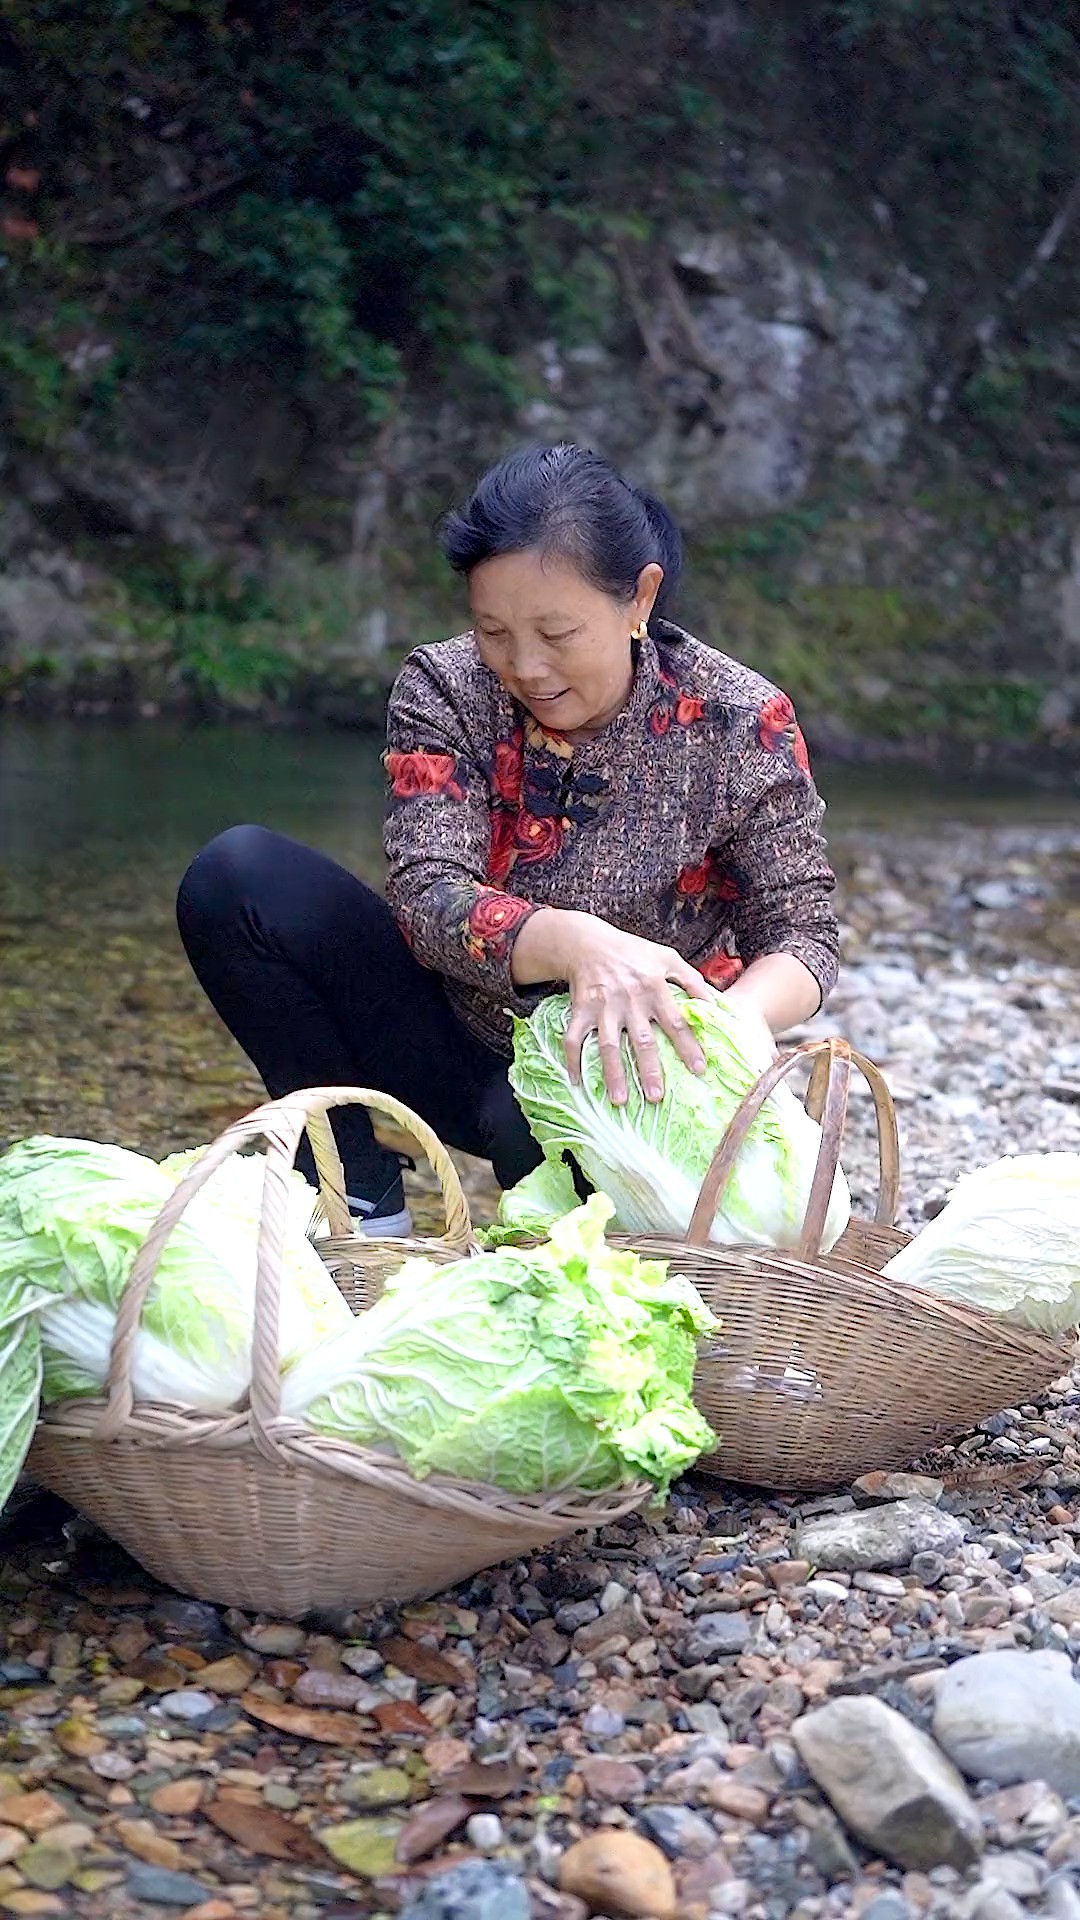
(618,984)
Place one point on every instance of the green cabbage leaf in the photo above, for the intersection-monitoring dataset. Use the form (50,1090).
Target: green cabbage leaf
(563,1365)
(650,1158)
(73,1214)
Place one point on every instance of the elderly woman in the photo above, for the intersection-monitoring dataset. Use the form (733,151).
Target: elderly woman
(581,796)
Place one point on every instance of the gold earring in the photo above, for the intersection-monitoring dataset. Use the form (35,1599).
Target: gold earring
(641,631)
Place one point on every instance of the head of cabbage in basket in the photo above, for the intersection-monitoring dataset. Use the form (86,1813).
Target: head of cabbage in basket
(562,1367)
(650,1157)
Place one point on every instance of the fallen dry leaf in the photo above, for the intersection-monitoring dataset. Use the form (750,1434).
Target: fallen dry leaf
(262,1829)
(430,1825)
(400,1716)
(995,1476)
(310,1723)
(493,1780)
(421,1663)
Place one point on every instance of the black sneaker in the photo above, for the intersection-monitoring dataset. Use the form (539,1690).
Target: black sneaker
(387,1218)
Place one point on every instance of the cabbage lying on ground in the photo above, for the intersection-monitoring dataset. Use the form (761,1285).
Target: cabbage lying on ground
(73,1215)
(651,1158)
(564,1365)
(1007,1241)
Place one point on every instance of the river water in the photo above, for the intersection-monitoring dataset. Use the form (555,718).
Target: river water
(104,1034)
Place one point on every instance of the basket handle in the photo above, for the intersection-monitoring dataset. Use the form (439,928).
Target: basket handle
(280,1123)
(826,1102)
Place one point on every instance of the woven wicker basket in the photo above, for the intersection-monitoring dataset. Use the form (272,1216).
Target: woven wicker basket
(251,1510)
(826,1370)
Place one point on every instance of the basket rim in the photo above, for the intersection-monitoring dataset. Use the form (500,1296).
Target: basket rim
(772,1263)
(157,1426)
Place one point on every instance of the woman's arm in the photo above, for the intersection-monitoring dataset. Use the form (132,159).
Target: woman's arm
(783,918)
(438,840)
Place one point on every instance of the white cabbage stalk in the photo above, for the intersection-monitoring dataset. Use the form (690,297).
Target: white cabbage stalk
(651,1158)
(1007,1241)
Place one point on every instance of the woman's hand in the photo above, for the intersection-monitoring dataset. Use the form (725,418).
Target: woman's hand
(618,984)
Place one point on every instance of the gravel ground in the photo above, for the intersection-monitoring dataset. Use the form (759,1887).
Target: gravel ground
(858,1704)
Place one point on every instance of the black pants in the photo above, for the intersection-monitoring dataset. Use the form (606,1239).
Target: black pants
(307,968)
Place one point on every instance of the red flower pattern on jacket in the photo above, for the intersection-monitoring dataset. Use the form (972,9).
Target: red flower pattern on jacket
(503,851)
(721,969)
(413,774)
(778,727)
(693,883)
(537,838)
(492,919)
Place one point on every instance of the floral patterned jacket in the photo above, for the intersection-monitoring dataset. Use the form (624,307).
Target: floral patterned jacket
(691,820)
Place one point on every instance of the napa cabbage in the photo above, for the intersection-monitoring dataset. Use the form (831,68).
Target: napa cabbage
(1007,1241)
(563,1365)
(650,1158)
(73,1214)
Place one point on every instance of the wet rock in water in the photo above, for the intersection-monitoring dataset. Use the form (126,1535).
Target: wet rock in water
(616,1873)
(1012,1715)
(877,1538)
(889,1784)
(477,1890)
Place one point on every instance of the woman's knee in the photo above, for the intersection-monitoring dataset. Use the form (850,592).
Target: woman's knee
(223,873)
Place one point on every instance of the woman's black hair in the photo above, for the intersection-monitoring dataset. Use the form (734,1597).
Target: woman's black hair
(571,503)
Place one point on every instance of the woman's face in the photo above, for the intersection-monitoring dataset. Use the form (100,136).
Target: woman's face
(560,646)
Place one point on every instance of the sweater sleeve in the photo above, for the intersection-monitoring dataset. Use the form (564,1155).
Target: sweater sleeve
(438,840)
(784,883)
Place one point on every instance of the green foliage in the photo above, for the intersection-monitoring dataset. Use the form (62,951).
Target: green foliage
(341,193)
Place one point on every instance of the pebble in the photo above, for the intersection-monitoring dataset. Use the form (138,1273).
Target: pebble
(876,1538)
(157,1886)
(274,1638)
(348,1690)
(615,1873)
(485,1832)
(577,1613)
(1012,1715)
(188,1704)
(716,1635)
(616,1781)
(603,1723)
(890,1784)
(826,1592)
(928,1568)
(886,1906)
(476,1890)
(679,1831)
